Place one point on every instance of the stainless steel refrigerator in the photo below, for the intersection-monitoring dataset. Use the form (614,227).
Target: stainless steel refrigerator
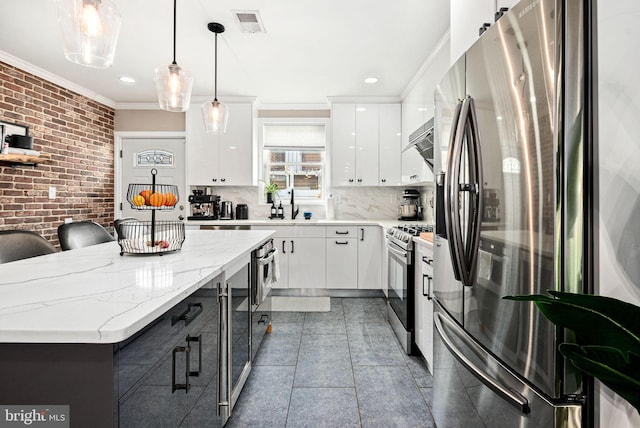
(513,183)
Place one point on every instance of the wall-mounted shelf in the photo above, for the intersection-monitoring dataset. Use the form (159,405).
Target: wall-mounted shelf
(15,159)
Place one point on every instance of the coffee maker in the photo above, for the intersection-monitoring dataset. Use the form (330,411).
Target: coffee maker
(204,207)
(411,208)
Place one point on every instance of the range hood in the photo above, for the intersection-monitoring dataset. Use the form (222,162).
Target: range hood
(422,140)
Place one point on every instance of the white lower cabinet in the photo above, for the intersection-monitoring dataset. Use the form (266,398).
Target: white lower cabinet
(424,301)
(334,257)
(307,262)
(301,255)
(370,246)
(342,257)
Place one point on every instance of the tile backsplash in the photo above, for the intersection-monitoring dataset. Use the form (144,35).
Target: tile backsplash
(350,203)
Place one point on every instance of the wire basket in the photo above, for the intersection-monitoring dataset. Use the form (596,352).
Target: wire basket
(149,237)
(152,196)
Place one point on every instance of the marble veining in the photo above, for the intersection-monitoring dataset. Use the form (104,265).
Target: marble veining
(94,295)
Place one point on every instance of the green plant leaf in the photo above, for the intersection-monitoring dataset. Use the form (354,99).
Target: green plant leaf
(595,320)
(610,366)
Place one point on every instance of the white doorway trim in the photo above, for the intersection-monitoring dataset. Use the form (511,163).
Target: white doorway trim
(117,160)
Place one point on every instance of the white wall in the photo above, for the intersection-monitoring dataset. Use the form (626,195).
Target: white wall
(466,18)
(619,172)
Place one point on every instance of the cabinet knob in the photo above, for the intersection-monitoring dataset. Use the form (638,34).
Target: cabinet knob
(384,180)
(351,180)
(223,179)
(359,180)
(214,179)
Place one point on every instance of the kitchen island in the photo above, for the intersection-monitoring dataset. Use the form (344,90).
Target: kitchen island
(63,316)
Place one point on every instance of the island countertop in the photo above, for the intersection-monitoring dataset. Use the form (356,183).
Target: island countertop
(94,295)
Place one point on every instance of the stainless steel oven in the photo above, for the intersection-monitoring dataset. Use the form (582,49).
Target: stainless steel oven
(263,262)
(262,271)
(400,289)
(400,281)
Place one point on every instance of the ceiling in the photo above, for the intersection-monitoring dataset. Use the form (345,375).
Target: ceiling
(311,49)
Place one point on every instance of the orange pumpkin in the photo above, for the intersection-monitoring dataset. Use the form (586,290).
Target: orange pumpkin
(156,199)
(170,199)
(138,200)
(145,194)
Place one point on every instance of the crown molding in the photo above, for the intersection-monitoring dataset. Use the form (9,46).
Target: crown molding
(137,106)
(363,100)
(54,78)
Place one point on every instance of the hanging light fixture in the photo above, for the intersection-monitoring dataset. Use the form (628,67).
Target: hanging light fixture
(214,113)
(172,82)
(90,31)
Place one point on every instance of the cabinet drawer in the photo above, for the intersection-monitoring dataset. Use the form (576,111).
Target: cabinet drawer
(343,231)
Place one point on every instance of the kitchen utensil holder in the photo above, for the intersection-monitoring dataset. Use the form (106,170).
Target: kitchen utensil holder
(151,237)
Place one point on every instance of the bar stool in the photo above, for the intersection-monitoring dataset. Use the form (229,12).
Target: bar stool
(82,234)
(22,244)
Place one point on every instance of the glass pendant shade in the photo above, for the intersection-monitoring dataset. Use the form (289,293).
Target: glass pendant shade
(216,116)
(90,30)
(173,85)
(214,113)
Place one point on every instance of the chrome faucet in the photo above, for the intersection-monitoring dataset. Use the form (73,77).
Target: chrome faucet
(294,210)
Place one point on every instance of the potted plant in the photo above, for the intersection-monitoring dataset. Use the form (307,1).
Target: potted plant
(270,190)
(607,337)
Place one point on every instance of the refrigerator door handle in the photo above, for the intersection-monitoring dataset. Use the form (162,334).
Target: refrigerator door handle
(477,187)
(508,394)
(450,188)
(464,252)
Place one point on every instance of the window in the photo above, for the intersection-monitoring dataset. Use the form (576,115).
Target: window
(293,157)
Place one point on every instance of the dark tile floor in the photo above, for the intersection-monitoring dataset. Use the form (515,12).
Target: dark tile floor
(342,368)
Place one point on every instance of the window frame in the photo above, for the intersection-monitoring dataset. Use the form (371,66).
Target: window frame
(312,121)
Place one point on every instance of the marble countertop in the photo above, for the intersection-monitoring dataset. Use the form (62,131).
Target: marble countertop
(302,222)
(94,295)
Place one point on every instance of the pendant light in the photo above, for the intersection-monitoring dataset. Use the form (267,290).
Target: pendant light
(90,31)
(214,113)
(173,83)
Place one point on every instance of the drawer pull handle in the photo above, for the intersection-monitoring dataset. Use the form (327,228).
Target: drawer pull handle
(429,278)
(186,385)
(427,260)
(342,242)
(195,339)
(342,233)
(185,315)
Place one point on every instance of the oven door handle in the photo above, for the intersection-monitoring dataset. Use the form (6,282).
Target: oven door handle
(399,253)
(268,258)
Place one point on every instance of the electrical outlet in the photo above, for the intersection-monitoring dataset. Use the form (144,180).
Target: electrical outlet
(337,199)
(52,192)
(68,220)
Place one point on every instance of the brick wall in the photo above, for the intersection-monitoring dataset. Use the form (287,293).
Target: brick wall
(78,134)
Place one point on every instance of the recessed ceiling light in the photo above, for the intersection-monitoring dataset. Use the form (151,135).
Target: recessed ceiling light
(127,79)
(371,80)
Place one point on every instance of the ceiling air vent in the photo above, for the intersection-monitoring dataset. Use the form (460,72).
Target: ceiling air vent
(249,21)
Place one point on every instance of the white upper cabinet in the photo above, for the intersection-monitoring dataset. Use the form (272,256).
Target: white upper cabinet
(366,144)
(344,144)
(362,134)
(221,160)
(390,144)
